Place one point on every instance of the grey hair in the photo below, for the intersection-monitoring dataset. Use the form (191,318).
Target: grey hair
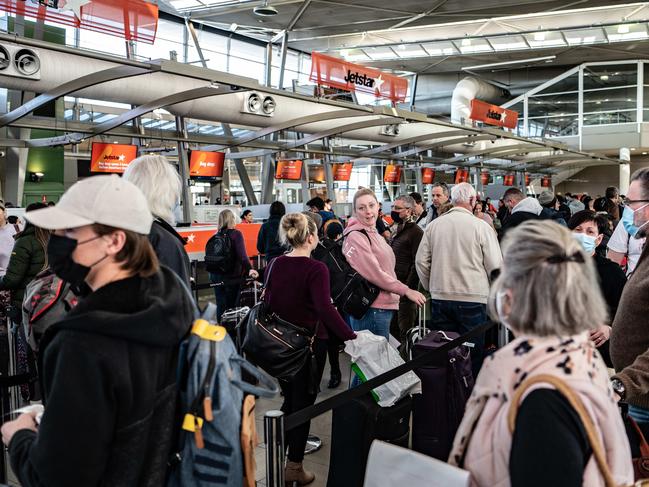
(407,199)
(227,219)
(462,193)
(547,298)
(642,175)
(160,183)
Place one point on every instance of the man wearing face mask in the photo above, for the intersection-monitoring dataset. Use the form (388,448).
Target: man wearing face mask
(623,246)
(630,336)
(583,225)
(108,368)
(405,242)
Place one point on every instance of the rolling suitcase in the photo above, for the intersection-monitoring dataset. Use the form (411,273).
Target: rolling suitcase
(446,385)
(231,318)
(249,294)
(354,426)
(415,334)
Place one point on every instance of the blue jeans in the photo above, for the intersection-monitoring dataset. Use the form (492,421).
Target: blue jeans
(461,317)
(375,320)
(639,415)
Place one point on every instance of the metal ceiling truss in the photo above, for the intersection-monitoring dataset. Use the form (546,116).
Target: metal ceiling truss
(75,138)
(459,140)
(413,140)
(118,72)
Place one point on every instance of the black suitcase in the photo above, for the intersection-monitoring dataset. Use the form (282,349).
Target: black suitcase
(249,294)
(446,384)
(231,318)
(353,428)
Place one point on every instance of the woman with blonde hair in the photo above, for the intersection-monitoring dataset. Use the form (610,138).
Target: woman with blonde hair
(372,257)
(297,290)
(228,281)
(522,425)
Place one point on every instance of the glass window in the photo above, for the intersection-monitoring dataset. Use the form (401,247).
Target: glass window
(508,43)
(545,39)
(246,50)
(244,67)
(354,55)
(410,50)
(585,36)
(609,76)
(169,37)
(380,52)
(445,48)
(97,41)
(627,32)
(468,46)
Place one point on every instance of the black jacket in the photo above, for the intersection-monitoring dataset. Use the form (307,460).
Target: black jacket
(169,246)
(109,388)
(268,238)
(611,281)
(516,219)
(404,245)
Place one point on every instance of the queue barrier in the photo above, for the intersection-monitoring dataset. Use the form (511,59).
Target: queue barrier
(275,422)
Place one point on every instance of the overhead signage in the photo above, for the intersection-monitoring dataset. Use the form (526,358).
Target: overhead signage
(204,164)
(508,180)
(392,174)
(546,182)
(427,175)
(338,73)
(291,170)
(461,176)
(493,114)
(485,177)
(343,172)
(111,157)
(528,179)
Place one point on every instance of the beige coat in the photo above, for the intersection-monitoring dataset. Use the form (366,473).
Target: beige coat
(456,257)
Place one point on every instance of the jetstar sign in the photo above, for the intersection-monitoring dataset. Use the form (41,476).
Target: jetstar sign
(338,73)
(493,114)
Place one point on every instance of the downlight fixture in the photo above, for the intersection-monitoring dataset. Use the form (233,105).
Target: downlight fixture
(265,10)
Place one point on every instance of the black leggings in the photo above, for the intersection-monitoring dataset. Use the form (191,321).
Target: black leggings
(296,397)
(333,352)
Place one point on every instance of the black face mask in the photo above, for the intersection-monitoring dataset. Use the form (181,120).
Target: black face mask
(396,217)
(59,258)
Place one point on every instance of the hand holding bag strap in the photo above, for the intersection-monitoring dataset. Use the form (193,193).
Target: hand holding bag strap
(577,405)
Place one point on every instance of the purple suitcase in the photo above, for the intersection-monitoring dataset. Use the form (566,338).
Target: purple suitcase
(446,385)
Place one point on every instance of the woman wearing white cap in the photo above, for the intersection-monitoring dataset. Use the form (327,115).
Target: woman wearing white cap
(109,367)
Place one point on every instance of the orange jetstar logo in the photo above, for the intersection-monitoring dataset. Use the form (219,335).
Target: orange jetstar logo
(111,157)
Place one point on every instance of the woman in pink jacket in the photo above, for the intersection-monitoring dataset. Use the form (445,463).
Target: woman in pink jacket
(372,257)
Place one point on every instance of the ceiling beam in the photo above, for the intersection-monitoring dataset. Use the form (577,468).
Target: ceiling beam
(419,16)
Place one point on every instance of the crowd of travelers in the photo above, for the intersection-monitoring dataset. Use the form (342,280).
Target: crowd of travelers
(567,275)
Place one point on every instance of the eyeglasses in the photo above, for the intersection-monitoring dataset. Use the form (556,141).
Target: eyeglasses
(397,208)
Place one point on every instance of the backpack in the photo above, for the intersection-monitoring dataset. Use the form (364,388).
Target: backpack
(47,299)
(350,292)
(219,253)
(211,406)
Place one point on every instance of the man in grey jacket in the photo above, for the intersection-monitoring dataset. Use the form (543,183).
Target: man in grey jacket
(454,261)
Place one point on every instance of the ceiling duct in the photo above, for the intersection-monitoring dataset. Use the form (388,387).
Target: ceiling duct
(466,90)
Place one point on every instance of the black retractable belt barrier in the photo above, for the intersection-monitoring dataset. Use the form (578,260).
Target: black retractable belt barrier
(311,412)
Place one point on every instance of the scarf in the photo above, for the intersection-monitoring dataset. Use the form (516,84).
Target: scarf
(483,441)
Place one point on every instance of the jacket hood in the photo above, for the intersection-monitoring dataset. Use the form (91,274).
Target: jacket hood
(354,224)
(163,224)
(156,311)
(530,205)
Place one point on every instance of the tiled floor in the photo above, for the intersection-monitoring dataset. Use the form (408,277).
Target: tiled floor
(317,462)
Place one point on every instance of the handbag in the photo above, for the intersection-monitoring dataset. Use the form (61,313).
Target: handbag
(578,406)
(277,346)
(638,443)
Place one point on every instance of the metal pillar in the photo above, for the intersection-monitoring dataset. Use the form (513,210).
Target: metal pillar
(419,183)
(306,194)
(625,171)
(283,61)
(269,64)
(328,170)
(413,91)
(274,437)
(267,179)
(183,169)
(241,170)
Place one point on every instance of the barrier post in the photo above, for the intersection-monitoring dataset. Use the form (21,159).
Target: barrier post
(275,450)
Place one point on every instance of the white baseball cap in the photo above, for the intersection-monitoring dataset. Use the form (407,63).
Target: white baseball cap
(107,200)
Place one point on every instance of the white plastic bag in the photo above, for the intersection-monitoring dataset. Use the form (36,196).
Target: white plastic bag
(373,355)
(393,466)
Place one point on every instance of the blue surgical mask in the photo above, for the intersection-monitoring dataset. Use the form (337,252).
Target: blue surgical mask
(587,242)
(627,221)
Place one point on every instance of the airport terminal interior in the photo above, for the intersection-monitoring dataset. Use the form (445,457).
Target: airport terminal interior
(341,243)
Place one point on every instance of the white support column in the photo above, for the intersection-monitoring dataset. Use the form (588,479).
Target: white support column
(625,171)
(580,105)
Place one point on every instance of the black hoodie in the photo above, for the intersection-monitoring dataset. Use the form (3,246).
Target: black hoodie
(109,388)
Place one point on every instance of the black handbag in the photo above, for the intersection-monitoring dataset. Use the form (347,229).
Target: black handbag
(277,346)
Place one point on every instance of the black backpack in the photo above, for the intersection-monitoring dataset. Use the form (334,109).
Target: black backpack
(350,292)
(219,254)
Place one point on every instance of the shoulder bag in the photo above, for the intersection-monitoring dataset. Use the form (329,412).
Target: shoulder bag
(277,346)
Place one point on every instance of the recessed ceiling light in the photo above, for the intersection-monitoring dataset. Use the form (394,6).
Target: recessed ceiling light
(623,29)
(604,77)
(644,153)
(539,36)
(466,42)
(633,148)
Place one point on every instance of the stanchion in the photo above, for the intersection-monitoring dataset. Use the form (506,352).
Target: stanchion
(275,451)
